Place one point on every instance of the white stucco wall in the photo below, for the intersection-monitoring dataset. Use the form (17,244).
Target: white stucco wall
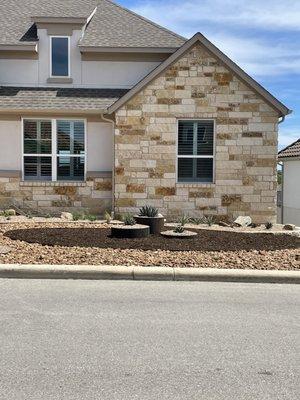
(291,192)
(99,146)
(98,74)
(114,74)
(19,72)
(10,148)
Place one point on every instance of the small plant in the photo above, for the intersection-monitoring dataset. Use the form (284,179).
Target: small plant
(253,225)
(181,223)
(107,216)
(268,225)
(183,220)
(209,220)
(148,211)
(196,221)
(90,217)
(77,216)
(179,229)
(47,216)
(128,219)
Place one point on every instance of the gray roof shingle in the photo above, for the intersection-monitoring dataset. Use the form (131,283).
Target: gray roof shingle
(111,25)
(39,99)
(293,150)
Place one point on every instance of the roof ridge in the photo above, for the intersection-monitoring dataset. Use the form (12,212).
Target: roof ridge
(290,145)
(146,20)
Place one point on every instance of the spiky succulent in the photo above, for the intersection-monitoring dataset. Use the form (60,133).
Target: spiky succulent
(128,219)
(148,211)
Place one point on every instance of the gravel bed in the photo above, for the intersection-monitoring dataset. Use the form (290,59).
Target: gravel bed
(80,243)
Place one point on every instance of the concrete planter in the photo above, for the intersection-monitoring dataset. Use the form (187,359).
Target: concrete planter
(130,231)
(156,224)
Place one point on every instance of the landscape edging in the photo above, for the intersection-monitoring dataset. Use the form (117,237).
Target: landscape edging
(102,272)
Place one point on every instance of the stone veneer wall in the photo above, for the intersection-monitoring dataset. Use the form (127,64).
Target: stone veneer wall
(197,86)
(93,196)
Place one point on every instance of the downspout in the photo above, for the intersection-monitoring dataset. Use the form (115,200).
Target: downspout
(113,169)
(282,176)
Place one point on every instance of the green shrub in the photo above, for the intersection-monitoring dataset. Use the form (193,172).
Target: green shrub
(77,215)
(128,219)
(148,211)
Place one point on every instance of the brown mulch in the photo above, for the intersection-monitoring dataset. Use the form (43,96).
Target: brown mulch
(79,243)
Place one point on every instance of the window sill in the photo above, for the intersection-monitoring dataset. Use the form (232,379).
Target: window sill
(195,184)
(49,183)
(60,80)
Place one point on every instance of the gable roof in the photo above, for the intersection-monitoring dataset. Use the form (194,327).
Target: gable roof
(199,38)
(110,26)
(116,26)
(293,150)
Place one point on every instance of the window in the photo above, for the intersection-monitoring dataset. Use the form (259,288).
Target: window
(60,63)
(195,151)
(70,150)
(54,150)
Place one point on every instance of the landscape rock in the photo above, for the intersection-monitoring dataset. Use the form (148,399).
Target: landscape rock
(243,221)
(5,249)
(289,227)
(67,216)
(225,224)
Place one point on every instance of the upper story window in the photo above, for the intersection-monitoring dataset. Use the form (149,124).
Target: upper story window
(195,151)
(60,56)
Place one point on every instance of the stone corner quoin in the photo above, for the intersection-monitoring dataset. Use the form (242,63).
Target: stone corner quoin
(197,86)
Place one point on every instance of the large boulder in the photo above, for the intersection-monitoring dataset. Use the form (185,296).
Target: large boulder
(243,221)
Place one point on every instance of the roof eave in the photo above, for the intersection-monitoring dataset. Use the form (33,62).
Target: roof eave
(98,49)
(19,47)
(46,111)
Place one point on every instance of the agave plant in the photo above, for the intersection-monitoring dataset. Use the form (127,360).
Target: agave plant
(148,211)
(179,229)
(181,223)
(128,219)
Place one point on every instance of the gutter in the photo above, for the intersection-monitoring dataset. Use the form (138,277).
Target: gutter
(113,169)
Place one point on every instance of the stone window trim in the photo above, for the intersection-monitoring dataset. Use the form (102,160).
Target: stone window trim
(195,184)
(69,57)
(54,154)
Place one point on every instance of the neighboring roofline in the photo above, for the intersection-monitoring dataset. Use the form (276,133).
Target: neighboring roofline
(96,49)
(59,20)
(198,37)
(18,47)
(287,147)
(288,158)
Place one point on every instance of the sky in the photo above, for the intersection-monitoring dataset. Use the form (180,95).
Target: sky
(262,37)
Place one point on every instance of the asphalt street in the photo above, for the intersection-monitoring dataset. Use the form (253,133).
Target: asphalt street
(124,340)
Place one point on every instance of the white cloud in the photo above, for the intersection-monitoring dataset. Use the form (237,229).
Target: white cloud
(215,18)
(267,14)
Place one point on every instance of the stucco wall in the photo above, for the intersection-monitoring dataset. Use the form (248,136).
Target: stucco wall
(10,148)
(291,192)
(105,74)
(197,86)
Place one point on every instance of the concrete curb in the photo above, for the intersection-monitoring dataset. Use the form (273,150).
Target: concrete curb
(101,272)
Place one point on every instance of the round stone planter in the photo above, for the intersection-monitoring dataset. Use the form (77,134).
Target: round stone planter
(183,235)
(130,231)
(156,224)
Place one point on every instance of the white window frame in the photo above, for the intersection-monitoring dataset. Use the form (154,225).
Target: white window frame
(213,156)
(54,155)
(69,57)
